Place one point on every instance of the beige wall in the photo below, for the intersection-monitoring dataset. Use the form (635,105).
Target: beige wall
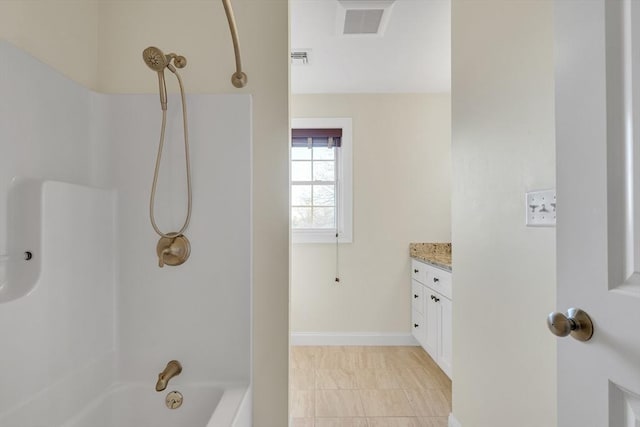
(401,193)
(504,272)
(99,44)
(61,33)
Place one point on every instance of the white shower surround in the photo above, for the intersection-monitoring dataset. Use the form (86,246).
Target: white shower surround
(133,317)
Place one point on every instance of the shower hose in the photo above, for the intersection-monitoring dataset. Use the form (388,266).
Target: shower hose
(159,158)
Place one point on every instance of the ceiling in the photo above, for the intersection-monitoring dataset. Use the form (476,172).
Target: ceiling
(413,55)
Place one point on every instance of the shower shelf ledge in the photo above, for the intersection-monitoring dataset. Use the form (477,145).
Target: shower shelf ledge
(46,222)
(24,213)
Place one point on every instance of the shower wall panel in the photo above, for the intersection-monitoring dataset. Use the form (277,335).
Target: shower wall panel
(102,309)
(66,323)
(198,312)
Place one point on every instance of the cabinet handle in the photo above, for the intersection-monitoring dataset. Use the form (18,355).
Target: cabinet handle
(415,270)
(415,295)
(436,299)
(415,325)
(436,280)
(433,297)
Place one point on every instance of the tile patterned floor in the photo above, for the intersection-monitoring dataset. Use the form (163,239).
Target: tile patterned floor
(367,387)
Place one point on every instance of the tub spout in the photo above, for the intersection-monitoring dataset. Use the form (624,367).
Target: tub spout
(172,369)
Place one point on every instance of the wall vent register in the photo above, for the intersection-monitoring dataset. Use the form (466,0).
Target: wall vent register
(300,56)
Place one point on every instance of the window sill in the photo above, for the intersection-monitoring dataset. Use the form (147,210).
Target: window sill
(318,236)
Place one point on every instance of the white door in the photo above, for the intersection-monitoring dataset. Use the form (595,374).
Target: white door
(598,192)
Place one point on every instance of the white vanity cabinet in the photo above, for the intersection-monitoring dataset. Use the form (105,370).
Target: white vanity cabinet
(432,308)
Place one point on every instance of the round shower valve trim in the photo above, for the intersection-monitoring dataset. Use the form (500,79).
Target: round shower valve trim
(173,250)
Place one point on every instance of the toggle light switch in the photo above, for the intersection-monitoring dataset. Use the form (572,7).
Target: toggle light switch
(541,208)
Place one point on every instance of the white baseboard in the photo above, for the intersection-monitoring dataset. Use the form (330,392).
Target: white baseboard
(352,338)
(453,422)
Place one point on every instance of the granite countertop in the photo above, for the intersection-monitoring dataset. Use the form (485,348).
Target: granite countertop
(436,254)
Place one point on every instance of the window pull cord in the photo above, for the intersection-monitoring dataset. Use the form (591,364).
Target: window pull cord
(337,258)
(337,220)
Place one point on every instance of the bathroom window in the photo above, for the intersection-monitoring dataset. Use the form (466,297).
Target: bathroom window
(321,180)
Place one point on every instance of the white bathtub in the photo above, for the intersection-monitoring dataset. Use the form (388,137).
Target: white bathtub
(139,405)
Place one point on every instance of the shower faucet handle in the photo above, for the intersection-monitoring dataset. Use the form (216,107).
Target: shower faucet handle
(172,249)
(161,258)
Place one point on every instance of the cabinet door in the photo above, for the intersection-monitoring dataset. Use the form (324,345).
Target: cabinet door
(432,320)
(445,348)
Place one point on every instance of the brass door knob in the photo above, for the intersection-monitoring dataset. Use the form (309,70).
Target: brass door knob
(576,323)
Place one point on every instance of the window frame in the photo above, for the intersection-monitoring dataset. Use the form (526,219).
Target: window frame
(344,175)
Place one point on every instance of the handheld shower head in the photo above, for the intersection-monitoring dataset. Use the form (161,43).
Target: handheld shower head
(155,59)
(158,61)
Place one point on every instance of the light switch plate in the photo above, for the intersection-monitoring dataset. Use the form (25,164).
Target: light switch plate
(541,208)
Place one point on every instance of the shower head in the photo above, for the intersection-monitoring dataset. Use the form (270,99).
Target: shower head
(155,59)
(158,61)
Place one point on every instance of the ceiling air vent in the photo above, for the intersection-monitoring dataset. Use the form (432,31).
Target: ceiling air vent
(363,17)
(362,21)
